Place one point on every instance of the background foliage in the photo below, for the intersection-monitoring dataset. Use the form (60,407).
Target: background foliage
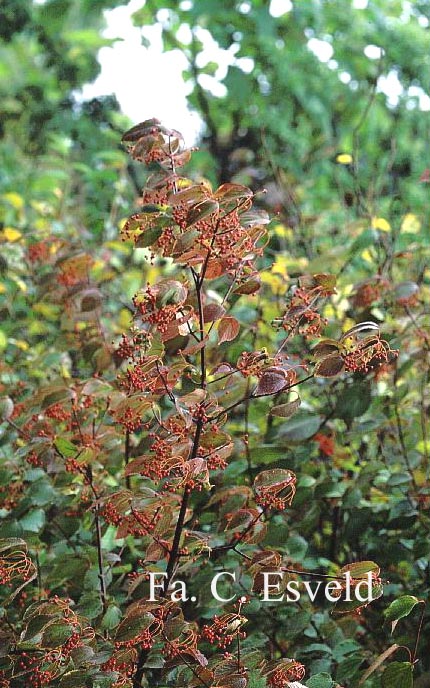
(346,174)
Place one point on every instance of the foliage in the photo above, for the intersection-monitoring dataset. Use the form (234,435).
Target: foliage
(185,448)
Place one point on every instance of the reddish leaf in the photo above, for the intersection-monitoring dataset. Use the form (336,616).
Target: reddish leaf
(141,129)
(249,286)
(191,194)
(330,366)
(325,348)
(228,329)
(274,478)
(425,177)
(201,210)
(272,380)
(286,410)
(212,312)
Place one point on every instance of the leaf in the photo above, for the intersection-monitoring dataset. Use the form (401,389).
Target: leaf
(344,159)
(97,388)
(133,624)
(330,366)
(249,286)
(12,543)
(56,634)
(353,401)
(149,237)
(192,194)
(286,410)
(272,380)
(75,679)
(228,329)
(377,663)
(11,234)
(274,477)
(6,408)
(425,176)
(33,521)
(255,216)
(325,348)
(54,395)
(65,448)
(398,675)
(360,569)
(322,680)
(141,129)
(381,223)
(212,312)
(201,210)
(405,291)
(400,608)
(301,428)
(232,192)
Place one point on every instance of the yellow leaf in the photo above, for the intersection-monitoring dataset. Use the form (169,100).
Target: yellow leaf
(20,283)
(47,310)
(283,232)
(367,255)
(125,318)
(64,372)
(348,324)
(272,280)
(344,159)
(21,344)
(11,234)
(420,476)
(381,224)
(410,224)
(3,340)
(2,288)
(280,266)
(14,199)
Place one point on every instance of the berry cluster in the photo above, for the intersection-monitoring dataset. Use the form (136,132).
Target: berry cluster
(289,671)
(224,630)
(368,353)
(276,496)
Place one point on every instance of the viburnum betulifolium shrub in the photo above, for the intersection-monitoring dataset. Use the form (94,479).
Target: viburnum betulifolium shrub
(164,507)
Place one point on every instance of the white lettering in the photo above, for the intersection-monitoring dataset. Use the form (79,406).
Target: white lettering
(333,585)
(214,589)
(153,584)
(292,588)
(367,583)
(311,593)
(179,595)
(274,586)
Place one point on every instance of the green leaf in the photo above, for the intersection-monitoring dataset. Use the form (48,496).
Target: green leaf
(149,237)
(65,447)
(133,625)
(33,521)
(322,680)
(399,609)
(353,401)
(398,675)
(301,428)
(56,634)
(75,679)
(112,617)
